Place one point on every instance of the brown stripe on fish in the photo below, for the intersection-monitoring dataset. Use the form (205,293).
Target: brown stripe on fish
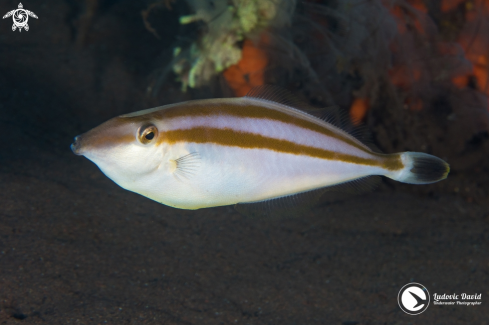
(109,134)
(245,140)
(207,108)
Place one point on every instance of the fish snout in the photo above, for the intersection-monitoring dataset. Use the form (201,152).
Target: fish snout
(76,146)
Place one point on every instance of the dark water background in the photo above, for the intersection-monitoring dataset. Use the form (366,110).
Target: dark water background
(76,248)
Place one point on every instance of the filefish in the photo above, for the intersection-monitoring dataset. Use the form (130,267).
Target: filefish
(252,152)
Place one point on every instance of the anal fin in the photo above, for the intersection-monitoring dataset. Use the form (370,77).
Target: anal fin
(296,205)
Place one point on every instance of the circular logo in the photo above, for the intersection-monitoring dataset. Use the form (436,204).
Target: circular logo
(413,298)
(20,17)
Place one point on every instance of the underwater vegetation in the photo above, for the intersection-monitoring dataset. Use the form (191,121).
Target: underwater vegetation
(228,23)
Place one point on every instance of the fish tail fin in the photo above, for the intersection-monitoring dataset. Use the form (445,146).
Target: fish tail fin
(421,168)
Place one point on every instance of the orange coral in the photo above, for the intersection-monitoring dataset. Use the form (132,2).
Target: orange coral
(249,71)
(475,46)
(480,73)
(447,5)
(405,75)
(358,110)
(419,5)
(409,18)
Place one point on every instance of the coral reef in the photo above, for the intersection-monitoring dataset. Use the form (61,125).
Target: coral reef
(401,66)
(227,24)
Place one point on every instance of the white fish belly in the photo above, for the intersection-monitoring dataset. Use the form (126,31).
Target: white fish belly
(230,175)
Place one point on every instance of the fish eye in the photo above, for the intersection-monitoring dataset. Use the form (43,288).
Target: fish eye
(147,133)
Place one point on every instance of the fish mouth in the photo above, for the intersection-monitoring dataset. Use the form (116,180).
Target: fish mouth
(76,146)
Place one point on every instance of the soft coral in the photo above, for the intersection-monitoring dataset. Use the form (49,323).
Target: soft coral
(249,71)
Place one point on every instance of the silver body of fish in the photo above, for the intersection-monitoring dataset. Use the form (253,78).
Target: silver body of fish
(217,152)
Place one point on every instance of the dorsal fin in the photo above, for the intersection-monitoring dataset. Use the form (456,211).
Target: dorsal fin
(280,95)
(333,115)
(296,205)
(341,119)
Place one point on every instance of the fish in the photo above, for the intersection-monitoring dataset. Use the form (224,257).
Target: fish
(259,152)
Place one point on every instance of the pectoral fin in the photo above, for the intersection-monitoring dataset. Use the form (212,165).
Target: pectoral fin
(186,166)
